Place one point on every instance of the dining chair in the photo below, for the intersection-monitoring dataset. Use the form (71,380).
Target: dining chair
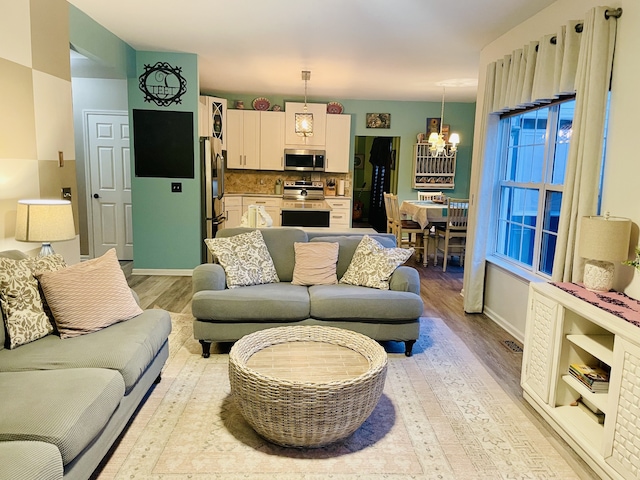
(451,237)
(413,230)
(428,195)
(389,212)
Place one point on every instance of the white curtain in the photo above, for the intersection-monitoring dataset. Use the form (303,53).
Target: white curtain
(578,59)
(580,196)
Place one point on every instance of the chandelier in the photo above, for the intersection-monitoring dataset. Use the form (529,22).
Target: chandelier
(436,140)
(304,121)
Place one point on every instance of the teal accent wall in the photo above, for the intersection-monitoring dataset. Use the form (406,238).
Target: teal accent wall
(166,225)
(96,42)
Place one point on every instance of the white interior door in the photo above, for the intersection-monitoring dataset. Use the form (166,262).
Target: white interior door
(110,164)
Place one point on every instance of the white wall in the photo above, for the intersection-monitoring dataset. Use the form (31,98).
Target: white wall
(505,299)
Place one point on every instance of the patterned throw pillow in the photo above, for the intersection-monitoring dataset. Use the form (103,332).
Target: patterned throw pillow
(89,296)
(372,264)
(315,263)
(245,259)
(22,304)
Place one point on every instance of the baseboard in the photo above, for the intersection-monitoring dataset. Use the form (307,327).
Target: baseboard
(178,272)
(504,324)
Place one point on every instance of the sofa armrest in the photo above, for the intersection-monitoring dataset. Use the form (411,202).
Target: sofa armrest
(405,279)
(209,276)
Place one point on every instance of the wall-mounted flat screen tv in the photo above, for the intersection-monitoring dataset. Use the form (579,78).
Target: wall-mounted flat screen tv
(163,144)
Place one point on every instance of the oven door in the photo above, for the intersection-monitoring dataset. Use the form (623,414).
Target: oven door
(305,218)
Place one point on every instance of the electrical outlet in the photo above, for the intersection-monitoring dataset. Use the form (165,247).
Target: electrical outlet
(176,187)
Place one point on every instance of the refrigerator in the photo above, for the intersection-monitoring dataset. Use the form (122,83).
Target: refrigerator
(212,166)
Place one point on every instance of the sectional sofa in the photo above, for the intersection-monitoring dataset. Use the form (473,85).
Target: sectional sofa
(226,314)
(65,401)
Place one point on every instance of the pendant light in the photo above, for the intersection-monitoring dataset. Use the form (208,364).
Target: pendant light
(304,121)
(436,141)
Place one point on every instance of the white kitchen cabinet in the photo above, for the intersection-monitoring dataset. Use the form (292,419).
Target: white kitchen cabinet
(272,140)
(243,139)
(272,205)
(338,142)
(563,329)
(233,211)
(293,140)
(212,118)
(340,216)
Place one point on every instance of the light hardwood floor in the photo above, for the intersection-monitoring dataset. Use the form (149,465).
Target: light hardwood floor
(442,297)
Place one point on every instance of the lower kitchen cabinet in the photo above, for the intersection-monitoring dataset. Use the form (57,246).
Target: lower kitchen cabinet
(272,206)
(233,211)
(563,329)
(340,216)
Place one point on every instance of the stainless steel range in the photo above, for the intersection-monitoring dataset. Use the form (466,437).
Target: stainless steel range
(303,204)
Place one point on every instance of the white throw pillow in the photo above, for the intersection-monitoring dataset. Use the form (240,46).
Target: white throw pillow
(315,263)
(372,264)
(245,259)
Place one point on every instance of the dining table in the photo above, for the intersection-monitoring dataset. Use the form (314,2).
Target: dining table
(425,212)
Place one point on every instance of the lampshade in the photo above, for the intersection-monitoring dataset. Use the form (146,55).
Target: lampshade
(304,124)
(604,238)
(44,221)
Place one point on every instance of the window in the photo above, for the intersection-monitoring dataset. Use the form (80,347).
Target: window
(534,149)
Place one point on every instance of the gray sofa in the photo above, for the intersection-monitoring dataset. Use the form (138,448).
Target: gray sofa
(65,402)
(226,315)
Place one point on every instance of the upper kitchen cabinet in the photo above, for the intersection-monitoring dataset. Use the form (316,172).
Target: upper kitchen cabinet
(272,140)
(243,139)
(319,111)
(212,118)
(338,140)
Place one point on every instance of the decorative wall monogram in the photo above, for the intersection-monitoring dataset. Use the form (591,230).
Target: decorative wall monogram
(162,84)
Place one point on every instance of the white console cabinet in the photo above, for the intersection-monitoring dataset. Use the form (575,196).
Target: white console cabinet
(562,329)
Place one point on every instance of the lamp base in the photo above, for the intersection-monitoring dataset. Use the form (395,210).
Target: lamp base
(46,249)
(598,275)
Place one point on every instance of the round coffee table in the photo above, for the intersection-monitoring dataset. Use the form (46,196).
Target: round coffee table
(306,386)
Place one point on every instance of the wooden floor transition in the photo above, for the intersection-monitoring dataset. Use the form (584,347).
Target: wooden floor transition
(441,292)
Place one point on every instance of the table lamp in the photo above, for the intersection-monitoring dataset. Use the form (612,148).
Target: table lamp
(603,240)
(44,221)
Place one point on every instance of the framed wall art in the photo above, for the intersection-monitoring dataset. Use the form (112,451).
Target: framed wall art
(433,125)
(378,120)
(358,161)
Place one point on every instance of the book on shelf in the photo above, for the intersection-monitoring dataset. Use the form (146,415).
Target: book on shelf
(594,414)
(595,378)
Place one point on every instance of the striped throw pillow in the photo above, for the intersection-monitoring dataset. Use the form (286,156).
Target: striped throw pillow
(89,296)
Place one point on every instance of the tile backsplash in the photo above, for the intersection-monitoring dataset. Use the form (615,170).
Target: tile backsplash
(264,182)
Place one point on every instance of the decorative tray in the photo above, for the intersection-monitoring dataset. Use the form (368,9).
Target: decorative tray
(261,103)
(334,107)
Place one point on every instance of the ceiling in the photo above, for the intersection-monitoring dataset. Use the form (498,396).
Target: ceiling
(355,49)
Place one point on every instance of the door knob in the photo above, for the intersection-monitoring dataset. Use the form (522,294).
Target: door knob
(95,195)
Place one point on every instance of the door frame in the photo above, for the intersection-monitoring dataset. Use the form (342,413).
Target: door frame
(89,166)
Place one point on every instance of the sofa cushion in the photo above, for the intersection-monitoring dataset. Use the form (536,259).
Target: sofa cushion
(128,347)
(66,408)
(315,263)
(372,265)
(258,303)
(22,305)
(30,460)
(279,241)
(351,302)
(89,296)
(348,245)
(245,259)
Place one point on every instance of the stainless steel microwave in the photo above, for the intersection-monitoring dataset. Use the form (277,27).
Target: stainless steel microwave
(304,160)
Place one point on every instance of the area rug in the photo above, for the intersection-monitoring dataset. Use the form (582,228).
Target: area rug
(441,416)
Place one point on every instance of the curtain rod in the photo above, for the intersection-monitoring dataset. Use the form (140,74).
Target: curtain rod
(608,13)
(612,12)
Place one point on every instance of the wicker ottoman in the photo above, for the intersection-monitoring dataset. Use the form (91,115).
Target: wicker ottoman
(292,386)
